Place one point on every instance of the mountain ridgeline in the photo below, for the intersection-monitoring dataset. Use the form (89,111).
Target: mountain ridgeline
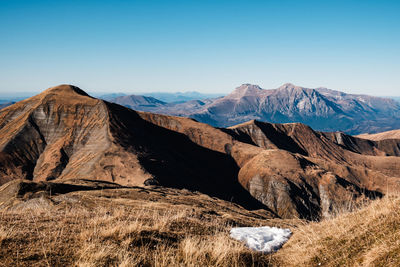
(289,169)
(321,108)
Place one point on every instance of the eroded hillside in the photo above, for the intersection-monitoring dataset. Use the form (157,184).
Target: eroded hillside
(288,169)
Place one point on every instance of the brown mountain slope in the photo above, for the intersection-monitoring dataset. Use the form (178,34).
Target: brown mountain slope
(63,134)
(41,135)
(395,134)
(324,169)
(311,174)
(300,138)
(288,168)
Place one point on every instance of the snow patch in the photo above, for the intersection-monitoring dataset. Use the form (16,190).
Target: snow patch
(263,239)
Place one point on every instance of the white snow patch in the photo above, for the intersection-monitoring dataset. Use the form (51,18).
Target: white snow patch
(263,239)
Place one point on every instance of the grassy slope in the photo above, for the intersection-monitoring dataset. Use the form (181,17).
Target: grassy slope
(164,227)
(125,227)
(368,237)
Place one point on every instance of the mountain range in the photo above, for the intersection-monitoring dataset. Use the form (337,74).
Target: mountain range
(180,97)
(321,108)
(166,97)
(288,169)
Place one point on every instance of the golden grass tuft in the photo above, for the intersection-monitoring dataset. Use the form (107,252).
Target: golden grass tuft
(151,237)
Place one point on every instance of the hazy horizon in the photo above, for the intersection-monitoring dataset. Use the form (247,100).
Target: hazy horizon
(207,46)
(25,94)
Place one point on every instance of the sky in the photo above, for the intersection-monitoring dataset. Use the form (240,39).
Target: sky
(208,46)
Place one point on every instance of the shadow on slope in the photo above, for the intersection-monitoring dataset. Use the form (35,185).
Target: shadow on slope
(175,161)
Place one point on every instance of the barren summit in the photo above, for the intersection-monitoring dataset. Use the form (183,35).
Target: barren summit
(289,170)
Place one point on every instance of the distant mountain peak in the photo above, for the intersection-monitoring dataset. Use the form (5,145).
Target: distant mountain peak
(246,90)
(289,86)
(248,86)
(321,108)
(137,101)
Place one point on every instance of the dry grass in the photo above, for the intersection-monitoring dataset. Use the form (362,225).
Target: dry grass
(112,231)
(367,237)
(165,227)
(152,237)
(5,234)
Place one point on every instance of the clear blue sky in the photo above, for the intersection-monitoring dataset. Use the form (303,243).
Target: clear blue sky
(203,45)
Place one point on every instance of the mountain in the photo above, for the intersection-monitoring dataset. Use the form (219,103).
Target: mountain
(181,96)
(138,102)
(319,164)
(63,134)
(394,134)
(173,99)
(289,169)
(321,108)
(151,104)
(108,97)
